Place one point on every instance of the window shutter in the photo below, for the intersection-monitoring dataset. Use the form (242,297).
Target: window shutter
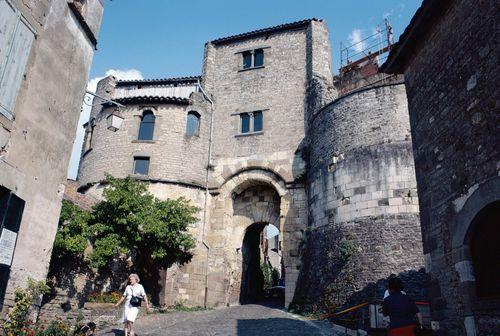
(8,22)
(18,51)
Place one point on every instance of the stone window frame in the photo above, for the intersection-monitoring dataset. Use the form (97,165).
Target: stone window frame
(198,116)
(252,53)
(137,156)
(144,114)
(138,119)
(252,122)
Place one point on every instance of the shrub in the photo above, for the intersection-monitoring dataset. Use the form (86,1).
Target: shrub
(18,321)
(99,297)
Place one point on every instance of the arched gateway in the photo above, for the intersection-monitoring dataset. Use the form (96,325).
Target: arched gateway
(243,205)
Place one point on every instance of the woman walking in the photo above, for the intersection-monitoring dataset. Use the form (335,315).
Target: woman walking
(402,310)
(133,295)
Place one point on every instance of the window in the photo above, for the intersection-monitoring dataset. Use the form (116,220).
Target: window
(16,38)
(89,136)
(257,121)
(251,122)
(245,122)
(247,59)
(11,212)
(253,58)
(146,129)
(193,123)
(141,165)
(258,58)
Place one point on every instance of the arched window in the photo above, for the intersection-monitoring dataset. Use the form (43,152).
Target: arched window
(147,127)
(193,123)
(485,251)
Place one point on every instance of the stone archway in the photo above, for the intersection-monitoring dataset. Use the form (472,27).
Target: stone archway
(233,211)
(253,209)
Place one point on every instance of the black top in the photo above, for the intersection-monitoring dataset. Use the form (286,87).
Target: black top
(401,309)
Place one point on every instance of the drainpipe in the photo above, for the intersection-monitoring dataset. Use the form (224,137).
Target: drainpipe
(209,166)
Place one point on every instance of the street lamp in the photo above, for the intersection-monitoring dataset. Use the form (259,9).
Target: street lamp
(114,120)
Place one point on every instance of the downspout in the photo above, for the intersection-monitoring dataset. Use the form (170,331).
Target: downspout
(209,166)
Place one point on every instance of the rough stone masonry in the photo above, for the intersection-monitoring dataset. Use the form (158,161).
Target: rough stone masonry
(269,121)
(46,49)
(449,55)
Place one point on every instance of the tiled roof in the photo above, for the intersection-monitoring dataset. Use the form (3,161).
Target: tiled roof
(149,99)
(188,79)
(265,31)
(425,17)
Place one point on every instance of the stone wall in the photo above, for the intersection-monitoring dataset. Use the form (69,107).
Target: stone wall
(113,152)
(363,205)
(35,145)
(452,86)
(272,157)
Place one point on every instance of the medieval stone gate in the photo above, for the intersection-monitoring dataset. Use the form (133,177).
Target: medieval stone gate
(253,197)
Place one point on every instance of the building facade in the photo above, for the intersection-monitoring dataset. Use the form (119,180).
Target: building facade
(452,75)
(46,49)
(252,142)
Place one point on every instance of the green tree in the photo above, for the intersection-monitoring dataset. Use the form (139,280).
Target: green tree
(72,236)
(130,221)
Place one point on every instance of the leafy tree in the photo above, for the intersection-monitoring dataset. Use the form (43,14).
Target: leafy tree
(131,221)
(72,236)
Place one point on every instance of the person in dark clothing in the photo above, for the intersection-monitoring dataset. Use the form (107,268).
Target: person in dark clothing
(401,310)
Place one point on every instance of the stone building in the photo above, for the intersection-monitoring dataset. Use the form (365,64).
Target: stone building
(46,48)
(261,137)
(452,76)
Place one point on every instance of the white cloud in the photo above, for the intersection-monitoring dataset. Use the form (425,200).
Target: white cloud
(85,113)
(355,39)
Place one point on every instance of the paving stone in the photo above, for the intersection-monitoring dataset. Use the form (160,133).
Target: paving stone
(247,320)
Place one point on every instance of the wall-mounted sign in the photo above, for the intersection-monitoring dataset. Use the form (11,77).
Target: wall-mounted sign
(7,246)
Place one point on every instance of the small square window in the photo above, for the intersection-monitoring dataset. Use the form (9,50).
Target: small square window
(258,58)
(141,165)
(247,59)
(245,122)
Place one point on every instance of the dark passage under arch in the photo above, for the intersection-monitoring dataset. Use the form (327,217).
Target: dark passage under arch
(484,240)
(252,279)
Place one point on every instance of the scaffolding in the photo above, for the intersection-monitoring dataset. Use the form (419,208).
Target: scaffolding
(374,48)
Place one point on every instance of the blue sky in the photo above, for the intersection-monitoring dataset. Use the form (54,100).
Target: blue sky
(165,38)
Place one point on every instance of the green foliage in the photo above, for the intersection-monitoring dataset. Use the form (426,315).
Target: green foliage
(266,273)
(275,276)
(18,318)
(271,275)
(55,328)
(347,247)
(179,306)
(71,238)
(131,221)
(99,297)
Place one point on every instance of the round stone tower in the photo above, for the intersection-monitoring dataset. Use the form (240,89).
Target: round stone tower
(362,197)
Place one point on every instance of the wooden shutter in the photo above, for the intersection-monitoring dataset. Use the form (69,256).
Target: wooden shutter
(8,22)
(15,45)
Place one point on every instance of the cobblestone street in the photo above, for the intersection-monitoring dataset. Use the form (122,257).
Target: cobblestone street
(247,320)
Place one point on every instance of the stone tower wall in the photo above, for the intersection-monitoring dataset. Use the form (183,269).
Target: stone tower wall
(362,196)
(452,76)
(174,157)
